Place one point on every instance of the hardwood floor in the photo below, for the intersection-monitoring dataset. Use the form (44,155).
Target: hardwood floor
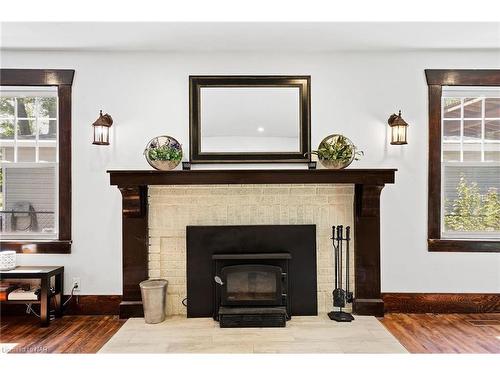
(418,333)
(69,334)
(446,333)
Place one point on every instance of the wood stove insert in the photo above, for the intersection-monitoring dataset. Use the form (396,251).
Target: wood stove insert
(252,289)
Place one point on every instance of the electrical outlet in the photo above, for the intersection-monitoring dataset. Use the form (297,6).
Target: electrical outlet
(76,284)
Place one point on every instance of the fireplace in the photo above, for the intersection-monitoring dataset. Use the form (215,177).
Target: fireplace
(144,217)
(251,290)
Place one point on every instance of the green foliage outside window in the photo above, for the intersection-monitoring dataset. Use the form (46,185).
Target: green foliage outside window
(47,107)
(6,129)
(6,109)
(472,211)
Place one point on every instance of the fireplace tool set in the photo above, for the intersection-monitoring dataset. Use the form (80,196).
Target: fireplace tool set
(341,296)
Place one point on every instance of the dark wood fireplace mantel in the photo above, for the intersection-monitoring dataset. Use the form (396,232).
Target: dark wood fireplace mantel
(368,186)
(125,178)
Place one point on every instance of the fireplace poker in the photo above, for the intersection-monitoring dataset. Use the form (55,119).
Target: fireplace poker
(335,237)
(336,244)
(348,293)
(338,292)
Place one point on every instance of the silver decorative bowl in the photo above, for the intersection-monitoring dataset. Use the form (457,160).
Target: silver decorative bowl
(338,142)
(160,147)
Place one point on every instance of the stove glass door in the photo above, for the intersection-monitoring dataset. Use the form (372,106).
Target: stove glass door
(251,285)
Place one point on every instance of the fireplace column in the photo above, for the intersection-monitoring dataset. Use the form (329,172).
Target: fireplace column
(367,295)
(135,248)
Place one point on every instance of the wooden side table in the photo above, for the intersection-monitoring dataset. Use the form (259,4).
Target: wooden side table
(44,274)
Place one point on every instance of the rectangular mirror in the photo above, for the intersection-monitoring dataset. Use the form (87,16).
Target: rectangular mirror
(238,119)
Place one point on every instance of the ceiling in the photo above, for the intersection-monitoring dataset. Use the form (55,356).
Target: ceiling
(248,36)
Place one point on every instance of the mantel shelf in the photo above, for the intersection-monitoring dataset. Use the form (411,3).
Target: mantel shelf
(124,178)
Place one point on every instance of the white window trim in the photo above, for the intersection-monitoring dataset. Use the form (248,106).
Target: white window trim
(484,235)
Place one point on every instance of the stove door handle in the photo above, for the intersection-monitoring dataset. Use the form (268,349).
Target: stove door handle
(218,280)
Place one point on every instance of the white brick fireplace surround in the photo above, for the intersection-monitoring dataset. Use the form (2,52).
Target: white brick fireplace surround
(172,208)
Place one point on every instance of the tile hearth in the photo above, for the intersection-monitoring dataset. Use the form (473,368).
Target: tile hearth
(303,334)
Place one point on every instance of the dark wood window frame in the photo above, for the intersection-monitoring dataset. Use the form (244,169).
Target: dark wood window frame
(63,79)
(436,79)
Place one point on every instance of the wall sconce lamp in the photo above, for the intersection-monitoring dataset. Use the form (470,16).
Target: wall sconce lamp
(101,129)
(399,129)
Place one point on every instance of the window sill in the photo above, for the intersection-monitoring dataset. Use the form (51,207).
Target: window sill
(464,246)
(37,246)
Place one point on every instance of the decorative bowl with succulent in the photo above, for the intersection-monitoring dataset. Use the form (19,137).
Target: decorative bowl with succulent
(163,153)
(337,152)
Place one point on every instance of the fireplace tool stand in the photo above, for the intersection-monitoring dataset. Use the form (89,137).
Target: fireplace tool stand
(341,296)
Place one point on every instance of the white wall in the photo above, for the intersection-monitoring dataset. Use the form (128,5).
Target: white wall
(352,93)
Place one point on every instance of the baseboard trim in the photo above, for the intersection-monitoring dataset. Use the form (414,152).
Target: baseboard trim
(79,305)
(131,309)
(93,305)
(365,306)
(441,303)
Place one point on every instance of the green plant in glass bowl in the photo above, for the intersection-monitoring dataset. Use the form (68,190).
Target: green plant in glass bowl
(163,153)
(337,152)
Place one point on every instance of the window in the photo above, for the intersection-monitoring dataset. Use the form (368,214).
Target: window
(470,162)
(29,165)
(35,160)
(464,160)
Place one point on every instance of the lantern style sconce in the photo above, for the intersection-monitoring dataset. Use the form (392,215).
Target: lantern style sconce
(399,129)
(101,129)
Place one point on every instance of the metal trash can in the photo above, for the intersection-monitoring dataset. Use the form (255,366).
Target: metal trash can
(154,300)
